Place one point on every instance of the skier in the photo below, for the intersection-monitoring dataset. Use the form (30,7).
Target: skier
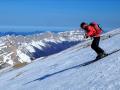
(93,30)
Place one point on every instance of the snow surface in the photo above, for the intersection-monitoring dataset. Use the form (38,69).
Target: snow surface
(63,71)
(21,55)
(30,48)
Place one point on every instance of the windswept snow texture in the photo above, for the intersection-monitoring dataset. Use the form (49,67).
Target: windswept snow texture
(63,71)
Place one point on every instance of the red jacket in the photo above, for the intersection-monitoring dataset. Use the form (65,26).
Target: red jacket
(93,30)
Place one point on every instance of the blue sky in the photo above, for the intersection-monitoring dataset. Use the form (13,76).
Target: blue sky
(58,13)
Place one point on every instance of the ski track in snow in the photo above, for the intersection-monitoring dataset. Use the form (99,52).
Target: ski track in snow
(63,71)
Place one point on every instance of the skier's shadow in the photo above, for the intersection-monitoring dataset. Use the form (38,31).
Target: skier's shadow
(52,74)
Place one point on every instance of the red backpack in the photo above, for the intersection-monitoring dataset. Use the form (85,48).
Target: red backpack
(96,27)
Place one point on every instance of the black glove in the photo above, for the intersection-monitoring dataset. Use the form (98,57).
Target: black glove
(85,36)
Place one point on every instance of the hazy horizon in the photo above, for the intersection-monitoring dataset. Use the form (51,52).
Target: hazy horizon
(42,28)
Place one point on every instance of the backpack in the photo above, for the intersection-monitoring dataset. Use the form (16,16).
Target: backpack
(96,27)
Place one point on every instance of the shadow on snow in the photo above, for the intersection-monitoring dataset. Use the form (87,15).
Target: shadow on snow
(61,71)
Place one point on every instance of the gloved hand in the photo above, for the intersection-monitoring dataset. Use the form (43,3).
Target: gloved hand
(85,36)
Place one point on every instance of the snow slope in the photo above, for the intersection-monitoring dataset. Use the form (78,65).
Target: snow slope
(63,71)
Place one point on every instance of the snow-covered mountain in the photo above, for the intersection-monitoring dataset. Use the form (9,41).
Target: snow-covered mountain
(64,71)
(20,49)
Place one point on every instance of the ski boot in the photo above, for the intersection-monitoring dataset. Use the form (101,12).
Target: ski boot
(101,55)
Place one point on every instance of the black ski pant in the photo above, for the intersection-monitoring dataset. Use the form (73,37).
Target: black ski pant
(95,45)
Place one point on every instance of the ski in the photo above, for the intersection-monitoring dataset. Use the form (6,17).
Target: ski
(92,61)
